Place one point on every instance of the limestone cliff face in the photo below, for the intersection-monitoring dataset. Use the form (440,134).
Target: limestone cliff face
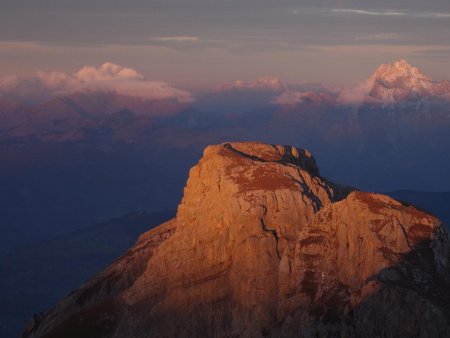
(262,245)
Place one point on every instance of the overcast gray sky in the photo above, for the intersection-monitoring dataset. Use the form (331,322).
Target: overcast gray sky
(196,43)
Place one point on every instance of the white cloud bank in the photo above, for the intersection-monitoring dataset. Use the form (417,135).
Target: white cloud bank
(108,77)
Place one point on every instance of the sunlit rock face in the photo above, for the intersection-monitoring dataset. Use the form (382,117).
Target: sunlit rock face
(262,245)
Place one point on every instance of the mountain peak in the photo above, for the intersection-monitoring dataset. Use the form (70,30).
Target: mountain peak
(264,246)
(399,81)
(262,152)
(393,83)
(401,69)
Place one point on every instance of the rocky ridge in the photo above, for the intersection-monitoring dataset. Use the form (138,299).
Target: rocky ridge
(262,245)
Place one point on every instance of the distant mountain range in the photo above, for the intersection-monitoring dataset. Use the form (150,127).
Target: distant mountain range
(90,156)
(396,85)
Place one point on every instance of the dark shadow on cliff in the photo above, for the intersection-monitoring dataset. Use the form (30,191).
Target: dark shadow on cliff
(410,298)
(416,275)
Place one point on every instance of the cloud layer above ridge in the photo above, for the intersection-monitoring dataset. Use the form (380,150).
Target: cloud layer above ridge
(108,77)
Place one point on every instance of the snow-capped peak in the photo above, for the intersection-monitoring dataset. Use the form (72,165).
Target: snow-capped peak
(401,74)
(394,82)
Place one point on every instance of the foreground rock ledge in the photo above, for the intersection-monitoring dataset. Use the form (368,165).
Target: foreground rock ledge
(262,245)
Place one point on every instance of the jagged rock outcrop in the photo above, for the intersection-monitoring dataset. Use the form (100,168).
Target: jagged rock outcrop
(262,245)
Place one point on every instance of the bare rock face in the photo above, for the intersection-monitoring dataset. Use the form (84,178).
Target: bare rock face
(262,245)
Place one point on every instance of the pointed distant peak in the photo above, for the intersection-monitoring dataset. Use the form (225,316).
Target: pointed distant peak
(402,63)
(396,82)
(391,72)
(404,67)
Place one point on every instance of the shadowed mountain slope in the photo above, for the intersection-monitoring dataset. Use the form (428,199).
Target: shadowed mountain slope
(35,276)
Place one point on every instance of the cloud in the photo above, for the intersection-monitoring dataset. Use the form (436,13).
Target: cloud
(394,13)
(368,12)
(355,95)
(177,39)
(270,83)
(109,77)
(378,37)
(290,98)
(318,94)
(433,52)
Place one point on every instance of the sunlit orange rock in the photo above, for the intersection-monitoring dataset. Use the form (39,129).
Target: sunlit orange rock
(262,245)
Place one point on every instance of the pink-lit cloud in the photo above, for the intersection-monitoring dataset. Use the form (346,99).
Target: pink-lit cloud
(355,95)
(108,77)
(177,39)
(290,98)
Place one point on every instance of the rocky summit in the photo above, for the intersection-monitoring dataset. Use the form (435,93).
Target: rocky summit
(262,245)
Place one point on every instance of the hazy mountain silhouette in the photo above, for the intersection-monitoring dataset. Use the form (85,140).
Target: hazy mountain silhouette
(34,277)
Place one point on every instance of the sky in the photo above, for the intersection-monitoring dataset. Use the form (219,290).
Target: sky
(196,44)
